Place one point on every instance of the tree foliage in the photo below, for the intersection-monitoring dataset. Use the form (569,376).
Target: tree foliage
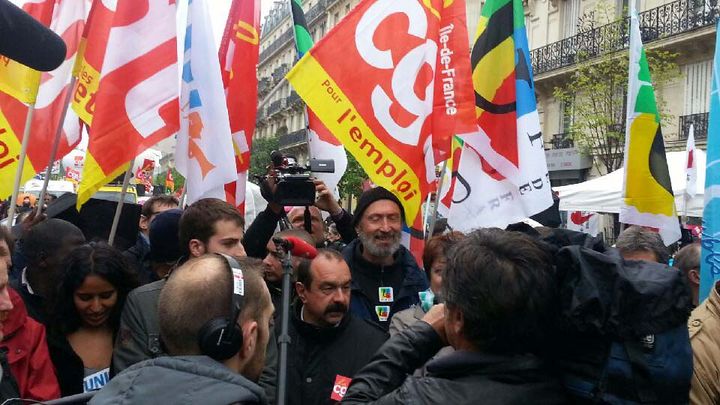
(260,155)
(597,91)
(351,182)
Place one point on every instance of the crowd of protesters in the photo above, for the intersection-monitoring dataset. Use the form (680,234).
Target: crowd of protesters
(494,316)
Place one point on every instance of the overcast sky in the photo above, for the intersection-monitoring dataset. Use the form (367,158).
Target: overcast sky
(219,12)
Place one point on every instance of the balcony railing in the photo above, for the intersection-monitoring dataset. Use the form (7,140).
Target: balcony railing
(699,123)
(560,141)
(660,22)
(292,139)
(277,44)
(275,17)
(264,85)
(275,106)
(315,11)
(293,98)
(279,73)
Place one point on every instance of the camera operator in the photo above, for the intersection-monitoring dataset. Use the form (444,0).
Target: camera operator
(264,225)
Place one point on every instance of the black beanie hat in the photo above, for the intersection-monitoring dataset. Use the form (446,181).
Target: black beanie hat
(372,195)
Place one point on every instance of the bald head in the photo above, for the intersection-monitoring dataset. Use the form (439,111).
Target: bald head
(201,290)
(296,216)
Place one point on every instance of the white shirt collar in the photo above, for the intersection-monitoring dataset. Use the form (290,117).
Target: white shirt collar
(24,281)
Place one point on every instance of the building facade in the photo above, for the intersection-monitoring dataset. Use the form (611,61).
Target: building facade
(685,27)
(281,112)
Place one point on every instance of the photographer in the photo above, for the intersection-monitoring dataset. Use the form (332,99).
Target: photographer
(263,227)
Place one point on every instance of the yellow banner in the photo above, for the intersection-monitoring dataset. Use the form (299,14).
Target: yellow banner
(643,190)
(18,80)
(83,102)
(93,178)
(325,98)
(9,156)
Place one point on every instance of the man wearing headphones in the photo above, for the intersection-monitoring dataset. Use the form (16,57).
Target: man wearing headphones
(215,314)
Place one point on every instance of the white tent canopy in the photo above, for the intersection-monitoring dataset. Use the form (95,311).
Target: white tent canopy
(603,194)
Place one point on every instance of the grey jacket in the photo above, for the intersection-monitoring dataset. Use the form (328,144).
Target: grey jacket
(180,380)
(138,336)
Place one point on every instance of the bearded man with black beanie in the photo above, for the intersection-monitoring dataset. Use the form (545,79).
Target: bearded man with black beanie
(386,279)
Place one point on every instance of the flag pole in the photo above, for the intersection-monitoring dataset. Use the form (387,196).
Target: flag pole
(55,145)
(118,210)
(433,218)
(21,163)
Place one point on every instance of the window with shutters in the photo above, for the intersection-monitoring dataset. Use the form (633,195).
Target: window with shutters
(698,77)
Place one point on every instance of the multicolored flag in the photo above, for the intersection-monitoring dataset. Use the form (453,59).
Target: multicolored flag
(406,52)
(502,176)
(691,166)
(68,19)
(204,152)
(239,52)
(647,197)
(322,144)
(710,264)
(136,103)
(445,194)
(16,79)
(169,181)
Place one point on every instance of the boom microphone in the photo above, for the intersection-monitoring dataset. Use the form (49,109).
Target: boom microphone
(296,247)
(26,40)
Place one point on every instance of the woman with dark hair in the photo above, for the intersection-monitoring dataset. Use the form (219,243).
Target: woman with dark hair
(94,283)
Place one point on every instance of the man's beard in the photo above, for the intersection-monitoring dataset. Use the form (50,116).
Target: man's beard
(368,241)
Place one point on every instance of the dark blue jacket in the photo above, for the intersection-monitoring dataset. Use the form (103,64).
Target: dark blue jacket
(414,281)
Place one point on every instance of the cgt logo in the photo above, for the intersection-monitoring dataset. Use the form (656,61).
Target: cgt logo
(340,387)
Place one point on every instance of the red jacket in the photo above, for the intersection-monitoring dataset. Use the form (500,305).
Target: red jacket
(28,355)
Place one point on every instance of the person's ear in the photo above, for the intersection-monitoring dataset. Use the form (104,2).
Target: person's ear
(250,332)
(300,290)
(144,224)
(455,320)
(694,276)
(196,248)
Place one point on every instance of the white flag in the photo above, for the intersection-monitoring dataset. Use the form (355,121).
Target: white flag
(691,167)
(322,149)
(204,153)
(583,221)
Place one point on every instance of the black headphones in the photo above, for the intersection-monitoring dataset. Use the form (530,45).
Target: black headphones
(222,338)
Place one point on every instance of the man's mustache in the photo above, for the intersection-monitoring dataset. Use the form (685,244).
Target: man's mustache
(337,307)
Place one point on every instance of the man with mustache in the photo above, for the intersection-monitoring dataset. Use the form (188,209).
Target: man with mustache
(385,277)
(328,345)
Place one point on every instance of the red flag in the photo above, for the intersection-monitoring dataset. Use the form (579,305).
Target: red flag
(413,96)
(68,19)
(239,52)
(136,104)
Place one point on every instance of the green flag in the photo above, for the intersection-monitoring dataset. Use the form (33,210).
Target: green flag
(303,40)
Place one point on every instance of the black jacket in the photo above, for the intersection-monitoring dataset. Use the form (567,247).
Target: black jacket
(412,280)
(318,355)
(69,366)
(258,234)
(456,379)
(136,255)
(8,386)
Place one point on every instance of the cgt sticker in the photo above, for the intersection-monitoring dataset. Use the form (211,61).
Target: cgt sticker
(340,387)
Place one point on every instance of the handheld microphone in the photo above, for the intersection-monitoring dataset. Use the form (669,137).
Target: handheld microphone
(296,247)
(25,40)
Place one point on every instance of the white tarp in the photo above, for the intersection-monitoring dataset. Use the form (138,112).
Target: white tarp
(602,194)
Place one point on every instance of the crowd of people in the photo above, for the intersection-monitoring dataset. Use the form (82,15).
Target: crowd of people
(191,313)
